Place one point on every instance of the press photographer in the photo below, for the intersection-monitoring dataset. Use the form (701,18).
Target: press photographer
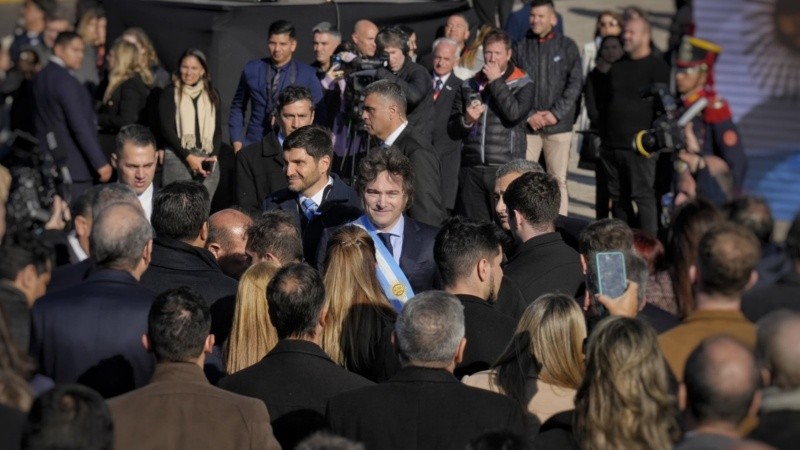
(412,78)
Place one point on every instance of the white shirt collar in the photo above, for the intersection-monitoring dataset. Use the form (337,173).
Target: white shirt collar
(443,78)
(57,60)
(395,134)
(317,198)
(146,199)
(75,245)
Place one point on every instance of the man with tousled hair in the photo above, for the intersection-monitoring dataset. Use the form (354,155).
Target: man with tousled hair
(179,409)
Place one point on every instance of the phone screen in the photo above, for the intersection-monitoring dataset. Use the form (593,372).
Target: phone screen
(611,276)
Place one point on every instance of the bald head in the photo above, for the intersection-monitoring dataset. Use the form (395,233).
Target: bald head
(721,378)
(227,239)
(121,238)
(637,37)
(364,33)
(778,335)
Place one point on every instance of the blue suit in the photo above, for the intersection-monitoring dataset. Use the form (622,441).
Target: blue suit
(254,88)
(91,333)
(64,107)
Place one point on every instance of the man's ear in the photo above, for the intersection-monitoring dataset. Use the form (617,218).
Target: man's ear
(584,266)
(208,345)
(114,161)
(28,276)
(204,231)
(323,316)
(519,219)
(459,356)
(146,343)
(147,253)
(752,281)
(215,250)
(82,225)
(484,269)
(325,164)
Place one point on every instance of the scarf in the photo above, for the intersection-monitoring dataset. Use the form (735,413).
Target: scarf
(185,117)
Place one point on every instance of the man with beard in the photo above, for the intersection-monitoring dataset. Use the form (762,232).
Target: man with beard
(469,255)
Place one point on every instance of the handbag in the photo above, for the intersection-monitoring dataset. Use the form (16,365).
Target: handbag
(589,150)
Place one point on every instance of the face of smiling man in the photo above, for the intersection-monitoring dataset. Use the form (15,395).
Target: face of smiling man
(385,200)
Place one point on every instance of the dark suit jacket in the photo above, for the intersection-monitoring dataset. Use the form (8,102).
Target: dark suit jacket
(416,258)
(13,421)
(91,333)
(421,408)
(68,276)
(180,410)
(784,294)
(659,319)
(488,332)
(340,205)
(259,171)
(254,88)
(545,264)
(427,206)
(125,106)
(295,380)
(448,148)
(175,264)
(63,107)
(415,81)
(15,306)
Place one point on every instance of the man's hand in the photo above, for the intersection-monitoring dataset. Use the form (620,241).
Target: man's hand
(474,113)
(105,173)
(335,72)
(237,145)
(626,305)
(59,215)
(692,143)
(195,164)
(492,71)
(536,121)
(549,118)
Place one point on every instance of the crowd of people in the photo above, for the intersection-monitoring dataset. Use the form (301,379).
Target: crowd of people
(397,268)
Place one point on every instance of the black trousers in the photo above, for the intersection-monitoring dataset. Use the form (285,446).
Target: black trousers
(630,181)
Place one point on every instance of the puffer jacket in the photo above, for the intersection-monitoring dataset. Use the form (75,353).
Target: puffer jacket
(554,65)
(499,136)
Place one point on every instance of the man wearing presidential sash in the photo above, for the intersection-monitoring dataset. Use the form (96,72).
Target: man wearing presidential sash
(404,246)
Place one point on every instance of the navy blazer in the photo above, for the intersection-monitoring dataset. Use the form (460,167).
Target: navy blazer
(64,107)
(91,333)
(254,88)
(340,205)
(259,171)
(416,258)
(427,205)
(448,148)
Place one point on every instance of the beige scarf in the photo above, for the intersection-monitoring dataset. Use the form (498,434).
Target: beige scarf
(184,117)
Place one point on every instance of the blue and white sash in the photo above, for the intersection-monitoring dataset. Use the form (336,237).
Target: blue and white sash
(393,281)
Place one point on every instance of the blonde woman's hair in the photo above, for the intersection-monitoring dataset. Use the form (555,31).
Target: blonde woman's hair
(357,306)
(469,54)
(150,56)
(548,342)
(624,400)
(127,63)
(252,335)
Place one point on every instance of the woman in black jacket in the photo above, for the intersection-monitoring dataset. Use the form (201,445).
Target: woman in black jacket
(190,123)
(125,97)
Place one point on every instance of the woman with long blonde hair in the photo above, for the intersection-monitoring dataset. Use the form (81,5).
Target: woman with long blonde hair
(357,333)
(148,54)
(542,366)
(125,98)
(624,400)
(252,335)
(471,60)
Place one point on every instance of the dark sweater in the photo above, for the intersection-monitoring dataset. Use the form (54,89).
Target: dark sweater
(627,112)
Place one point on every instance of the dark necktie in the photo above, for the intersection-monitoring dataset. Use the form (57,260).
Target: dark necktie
(386,239)
(273,89)
(437,89)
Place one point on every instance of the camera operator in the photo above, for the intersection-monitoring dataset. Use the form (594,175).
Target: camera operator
(715,155)
(489,115)
(631,177)
(412,78)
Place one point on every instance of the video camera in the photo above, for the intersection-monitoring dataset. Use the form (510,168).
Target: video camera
(666,133)
(36,180)
(359,73)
